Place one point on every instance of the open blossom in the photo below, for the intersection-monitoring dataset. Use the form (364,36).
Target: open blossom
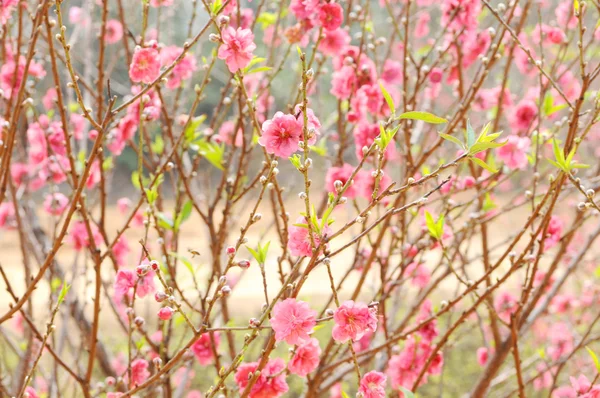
(7,215)
(79,237)
(126,280)
(353,320)
(184,68)
(114,31)
(229,136)
(145,65)
(293,321)
(334,41)
(460,14)
(343,82)
(271,382)
(6,8)
(365,134)
(505,304)
(38,145)
(56,203)
(404,368)
(372,385)
(514,152)
(281,134)
(331,16)
(554,232)
(343,175)
(12,69)
(139,371)
(523,115)
(236,50)
(203,347)
(304,9)
(299,241)
(306,358)
(312,123)
(161,3)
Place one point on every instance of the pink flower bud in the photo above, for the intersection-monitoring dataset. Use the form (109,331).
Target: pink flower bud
(165,313)
(230,251)
(154,264)
(142,269)
(160,296)
(244,264)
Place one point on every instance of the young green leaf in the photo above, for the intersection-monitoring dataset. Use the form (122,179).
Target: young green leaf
(483,164)
(594,358)
(453,139)
(423,116)
(212,152)
(63,292)
(407,393)
(388,98)
(470,135)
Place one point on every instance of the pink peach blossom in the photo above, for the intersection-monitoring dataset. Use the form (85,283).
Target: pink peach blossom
(293,321)
(306,358)
(236,50)
(353,320)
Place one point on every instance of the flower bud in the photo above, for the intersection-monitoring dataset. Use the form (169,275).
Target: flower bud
(160,296)
(165,313)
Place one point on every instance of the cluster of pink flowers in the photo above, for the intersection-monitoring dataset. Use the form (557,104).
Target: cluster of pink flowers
(362,185)
(271,382)
(353,320)
(299,242)
(404,368)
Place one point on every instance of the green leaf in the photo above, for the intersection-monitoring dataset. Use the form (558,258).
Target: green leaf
(186,212)
(423,116)
(580,166)
(407,393)
(184,261)
(63,292)
(555,109)
(470,135)
(296,161)
(108,163)
(320,148)
(484,146)
(548,103)
(483,164)
(190,129)
(451,138)
(135,179)
(594,358)
(435,228)
(388,98)
(151,195)
(216,5)
(55,284)
(266,19)
(259,69)
(260,254)
(212,152)
(558,154)
(344,395)
(164,221)
(158,145)
(488,203)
